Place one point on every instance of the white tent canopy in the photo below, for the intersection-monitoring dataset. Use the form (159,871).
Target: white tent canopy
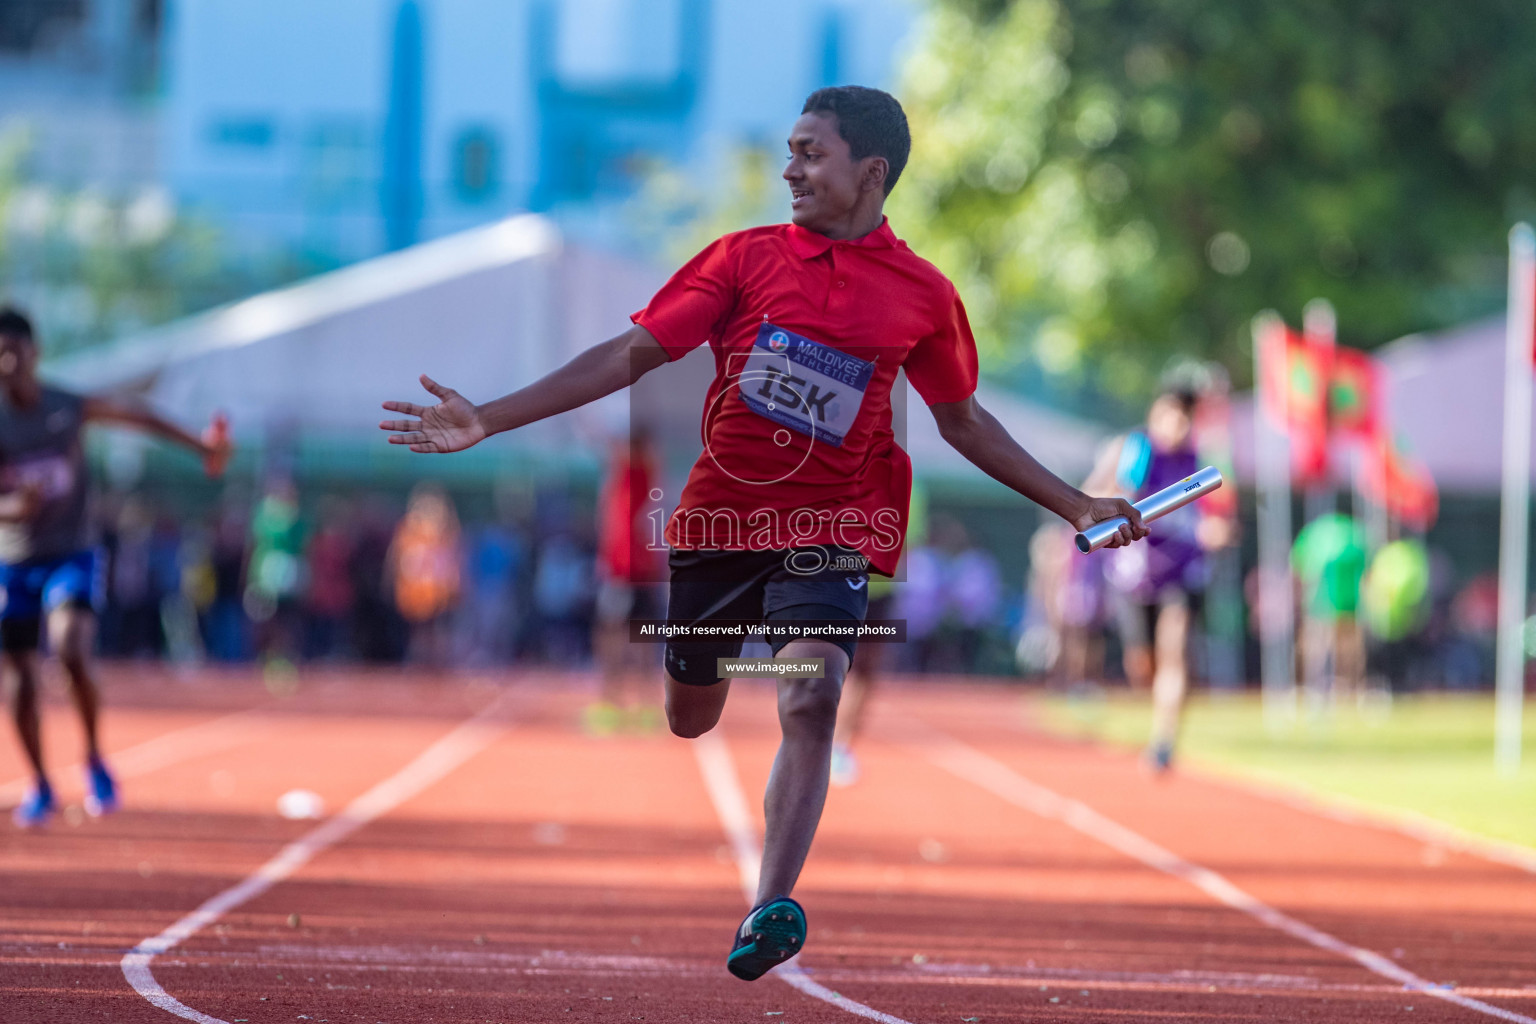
(482,311)
(485,311)
(1445,397)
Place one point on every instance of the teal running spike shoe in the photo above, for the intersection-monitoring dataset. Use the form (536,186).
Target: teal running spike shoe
(770,935)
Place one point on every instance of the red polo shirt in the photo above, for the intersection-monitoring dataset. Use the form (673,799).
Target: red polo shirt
(808,334)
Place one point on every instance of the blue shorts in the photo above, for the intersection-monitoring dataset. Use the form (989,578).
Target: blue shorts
(39,585)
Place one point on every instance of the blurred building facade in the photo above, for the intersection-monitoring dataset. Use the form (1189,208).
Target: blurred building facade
(79,79)
(353,127)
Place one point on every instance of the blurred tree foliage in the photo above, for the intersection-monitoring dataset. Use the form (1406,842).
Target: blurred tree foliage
(88,266)
(1111,182)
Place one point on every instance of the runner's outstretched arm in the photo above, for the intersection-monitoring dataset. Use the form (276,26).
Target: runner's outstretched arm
(976,434)
(456,423)
(127,413)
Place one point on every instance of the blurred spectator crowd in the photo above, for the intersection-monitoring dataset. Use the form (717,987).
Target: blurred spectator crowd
(348,578)
(358,578)
(345,578)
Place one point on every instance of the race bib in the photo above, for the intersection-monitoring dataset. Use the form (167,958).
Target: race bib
(52,475)
(804,385)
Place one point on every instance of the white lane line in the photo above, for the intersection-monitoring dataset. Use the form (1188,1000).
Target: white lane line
(430,766)
(725,792)
(1348,811)
(557,963)
(992,775)
(173,747)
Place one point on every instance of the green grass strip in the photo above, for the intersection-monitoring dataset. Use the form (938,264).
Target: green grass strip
(1429,755)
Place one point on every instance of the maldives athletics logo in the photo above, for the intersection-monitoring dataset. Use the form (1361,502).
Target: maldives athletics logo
(778,341)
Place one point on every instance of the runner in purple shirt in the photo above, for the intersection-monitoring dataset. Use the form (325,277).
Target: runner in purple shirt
(1160,585)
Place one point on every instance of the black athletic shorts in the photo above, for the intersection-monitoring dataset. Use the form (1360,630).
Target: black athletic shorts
(1138,619)
(822,584)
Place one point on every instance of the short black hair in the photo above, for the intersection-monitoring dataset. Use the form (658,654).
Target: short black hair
(15,323)
(1186,398)
(870,121)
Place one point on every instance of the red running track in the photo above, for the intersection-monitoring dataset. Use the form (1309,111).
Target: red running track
(513,869)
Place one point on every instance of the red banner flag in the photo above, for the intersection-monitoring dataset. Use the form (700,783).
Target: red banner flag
(1402,483)
(1273,363)
(1354,395)
(1296,375)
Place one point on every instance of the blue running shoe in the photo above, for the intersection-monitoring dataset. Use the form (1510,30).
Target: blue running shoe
(770,935)
(100,789)
(36,809)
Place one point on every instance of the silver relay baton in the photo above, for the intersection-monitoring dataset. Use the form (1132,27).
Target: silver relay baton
(1153,506)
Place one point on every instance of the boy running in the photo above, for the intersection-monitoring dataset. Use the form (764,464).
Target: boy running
(801,490)
(49,571)
(1161,584)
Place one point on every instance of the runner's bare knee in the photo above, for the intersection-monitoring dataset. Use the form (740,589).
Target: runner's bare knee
(69,632)
(694,710)
(72,654)
(810,702)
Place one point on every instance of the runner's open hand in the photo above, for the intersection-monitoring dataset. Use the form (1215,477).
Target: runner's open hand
(217,447)
(450,426)
(1100,509)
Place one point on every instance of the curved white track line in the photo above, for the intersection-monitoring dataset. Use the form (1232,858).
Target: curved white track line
(725,793)
(992,775)
(431,765)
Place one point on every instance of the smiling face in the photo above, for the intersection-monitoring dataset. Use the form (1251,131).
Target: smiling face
(830,192)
